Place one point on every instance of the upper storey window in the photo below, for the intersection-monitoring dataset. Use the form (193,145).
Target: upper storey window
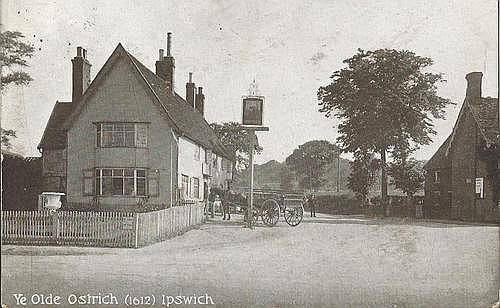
(133,135)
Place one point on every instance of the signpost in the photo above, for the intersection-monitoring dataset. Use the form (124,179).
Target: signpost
(252,115)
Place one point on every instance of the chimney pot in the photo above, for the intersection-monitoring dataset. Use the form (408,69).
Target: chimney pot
(190,77)
(200,90)
(79,51)
(160,56)
(84,53)
(474,80)
(169,43)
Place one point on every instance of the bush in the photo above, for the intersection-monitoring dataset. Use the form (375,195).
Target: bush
(338,204)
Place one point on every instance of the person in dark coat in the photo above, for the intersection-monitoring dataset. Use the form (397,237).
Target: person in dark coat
(312,205)
(211,200)
(225,204)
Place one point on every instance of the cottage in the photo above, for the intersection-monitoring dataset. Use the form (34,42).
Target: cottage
(127,137)
(462,178)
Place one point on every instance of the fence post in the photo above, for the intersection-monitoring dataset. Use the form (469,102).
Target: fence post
(136,216)
(55,225)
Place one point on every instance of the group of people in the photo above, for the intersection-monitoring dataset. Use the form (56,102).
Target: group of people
(224,197)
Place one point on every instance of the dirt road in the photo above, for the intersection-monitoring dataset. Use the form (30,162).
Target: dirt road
(331,261)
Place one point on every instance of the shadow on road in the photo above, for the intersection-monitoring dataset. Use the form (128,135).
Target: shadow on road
(364,220)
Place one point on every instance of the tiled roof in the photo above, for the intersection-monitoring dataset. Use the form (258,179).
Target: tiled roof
(187,121)
(190,122)
(438,157)
(53,137)
(485,113)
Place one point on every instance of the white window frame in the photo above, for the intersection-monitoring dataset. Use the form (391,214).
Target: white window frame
(100,131)
(99,175)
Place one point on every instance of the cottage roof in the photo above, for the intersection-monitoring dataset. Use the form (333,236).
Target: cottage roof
(485,112)
(53,137)
(438,157)
(186,121)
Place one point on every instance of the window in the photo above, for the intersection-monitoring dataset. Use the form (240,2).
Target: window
(122,135)
(196,188)
(120,182)
(437,176)
(185,186)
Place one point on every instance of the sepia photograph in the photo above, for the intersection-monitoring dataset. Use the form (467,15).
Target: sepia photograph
(231,153)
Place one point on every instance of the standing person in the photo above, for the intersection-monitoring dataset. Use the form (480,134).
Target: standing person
(312,205)
(225,204)
(211,200)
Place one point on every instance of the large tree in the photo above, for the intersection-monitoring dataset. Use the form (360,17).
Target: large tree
(309,160)
(364,169)
(237,140)
(14,54)
(382,97)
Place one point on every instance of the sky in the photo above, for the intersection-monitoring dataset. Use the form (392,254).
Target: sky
(289,47)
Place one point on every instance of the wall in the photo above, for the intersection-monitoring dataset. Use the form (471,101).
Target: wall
(120,97)
(54,170)
(189,165)
(466,167)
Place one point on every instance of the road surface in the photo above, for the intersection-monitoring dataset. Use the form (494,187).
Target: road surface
(329,261)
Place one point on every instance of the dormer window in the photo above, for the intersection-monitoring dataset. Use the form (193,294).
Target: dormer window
(122,134)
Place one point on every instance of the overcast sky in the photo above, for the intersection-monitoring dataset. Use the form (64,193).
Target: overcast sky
(289,47)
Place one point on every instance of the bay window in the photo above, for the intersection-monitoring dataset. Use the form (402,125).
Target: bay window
(120,182)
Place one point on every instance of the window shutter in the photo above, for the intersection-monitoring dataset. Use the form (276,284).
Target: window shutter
(88,182)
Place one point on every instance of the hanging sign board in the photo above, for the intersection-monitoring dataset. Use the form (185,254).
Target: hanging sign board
(479,187)
(253,108)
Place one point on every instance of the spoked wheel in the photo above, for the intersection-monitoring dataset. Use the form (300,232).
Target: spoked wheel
(270,212)
(294,215)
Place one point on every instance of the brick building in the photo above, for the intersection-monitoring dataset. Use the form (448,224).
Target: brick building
(462,177)
(127,135)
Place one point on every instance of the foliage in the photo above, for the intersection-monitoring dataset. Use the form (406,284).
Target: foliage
(407,175)
(13,55)
(309,160)
(286,178)
(364,169)
(236,139)
(382,98)
(6,135)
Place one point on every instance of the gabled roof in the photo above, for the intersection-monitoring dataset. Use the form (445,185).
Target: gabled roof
(53,137)
(184,119)
(438,157)
(485,114)
(190,122)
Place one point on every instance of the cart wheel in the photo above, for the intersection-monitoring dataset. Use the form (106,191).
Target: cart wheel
(270,212)
(294,215)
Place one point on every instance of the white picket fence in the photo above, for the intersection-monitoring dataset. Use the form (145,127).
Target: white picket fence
(100,229)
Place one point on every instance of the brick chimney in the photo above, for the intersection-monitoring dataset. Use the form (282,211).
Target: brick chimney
(165,66)
(81,74)
(474,80)
(200,101)
(190,89)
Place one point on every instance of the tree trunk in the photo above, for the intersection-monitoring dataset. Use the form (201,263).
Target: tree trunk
(384,180)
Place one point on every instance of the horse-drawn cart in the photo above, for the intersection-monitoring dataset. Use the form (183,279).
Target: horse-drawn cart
(270,204)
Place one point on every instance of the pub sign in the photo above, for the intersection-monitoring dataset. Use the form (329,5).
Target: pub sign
(253,107)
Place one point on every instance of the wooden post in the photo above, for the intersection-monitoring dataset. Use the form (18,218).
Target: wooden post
(250,206)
